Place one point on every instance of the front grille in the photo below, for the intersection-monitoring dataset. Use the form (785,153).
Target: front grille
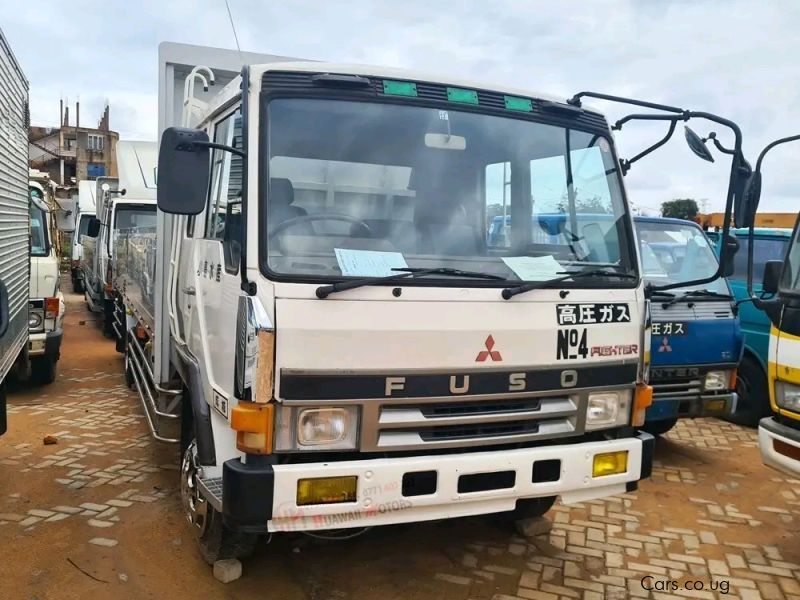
(678,388)
(396,426)
(691,311)
(466,432)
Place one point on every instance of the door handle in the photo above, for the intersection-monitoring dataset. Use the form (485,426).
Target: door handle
(189,291)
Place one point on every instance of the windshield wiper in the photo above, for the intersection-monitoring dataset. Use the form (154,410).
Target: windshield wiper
(324,291)
(509,293)
(695,294)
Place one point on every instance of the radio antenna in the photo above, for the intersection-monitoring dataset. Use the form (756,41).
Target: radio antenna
(235,37)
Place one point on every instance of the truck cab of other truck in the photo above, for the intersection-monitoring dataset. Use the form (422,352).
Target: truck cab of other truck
(86,210)
(779,434)
(117,212)
(696,336)
(751,380)
(46,301)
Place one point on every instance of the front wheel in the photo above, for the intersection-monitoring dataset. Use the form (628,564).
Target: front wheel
(215,540)
(43,369)
(659,427)
(751,387)
(77,285)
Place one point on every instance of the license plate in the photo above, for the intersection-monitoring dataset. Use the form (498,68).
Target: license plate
(37,346)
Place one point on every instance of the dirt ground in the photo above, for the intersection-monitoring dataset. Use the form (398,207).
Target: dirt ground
(97,515)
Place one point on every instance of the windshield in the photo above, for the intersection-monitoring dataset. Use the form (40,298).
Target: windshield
(128,217)
(790,278)
(83,226)
(38,229)
(356,189)
(675,252)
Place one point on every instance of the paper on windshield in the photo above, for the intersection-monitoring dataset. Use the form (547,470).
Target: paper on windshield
(534,268)
(368,263)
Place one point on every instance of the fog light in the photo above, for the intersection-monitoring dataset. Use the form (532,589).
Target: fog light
(327,490)
(610,463)
(715,405)
(323,426)
(716,380)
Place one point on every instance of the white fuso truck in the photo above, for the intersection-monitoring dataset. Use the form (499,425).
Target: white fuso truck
(14,200)
(123,203)
(322,320)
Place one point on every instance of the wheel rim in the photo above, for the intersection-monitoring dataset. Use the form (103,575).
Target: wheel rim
(195,505)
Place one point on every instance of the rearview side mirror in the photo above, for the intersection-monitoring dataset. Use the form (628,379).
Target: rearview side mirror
(183,171)
(93,229)
(731,248)
(772,276)
(746,202)
(697,145)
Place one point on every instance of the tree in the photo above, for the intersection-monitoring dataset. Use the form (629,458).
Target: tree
(680,208)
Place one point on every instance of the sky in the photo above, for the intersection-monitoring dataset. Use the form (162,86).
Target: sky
(737,59)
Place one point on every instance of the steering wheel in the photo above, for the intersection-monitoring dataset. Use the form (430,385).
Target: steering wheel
(363,230)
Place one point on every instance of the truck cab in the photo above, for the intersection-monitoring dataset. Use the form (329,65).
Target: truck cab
(125,202)
(751,381)
(779,434)
(46,301)
(696,336)
(86,210)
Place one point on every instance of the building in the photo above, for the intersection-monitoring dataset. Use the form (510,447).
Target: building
(71,153)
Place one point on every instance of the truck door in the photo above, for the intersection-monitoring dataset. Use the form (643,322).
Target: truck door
(211,303)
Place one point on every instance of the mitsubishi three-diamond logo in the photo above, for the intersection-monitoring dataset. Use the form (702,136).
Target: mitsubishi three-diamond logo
(489,352)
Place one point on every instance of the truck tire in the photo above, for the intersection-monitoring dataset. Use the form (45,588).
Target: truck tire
(751,387)
(215,540)
(43,369)
(659,427)
(527,508)
(77,285)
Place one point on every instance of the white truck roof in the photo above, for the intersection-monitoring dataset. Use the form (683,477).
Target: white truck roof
(87,202)
(136,169)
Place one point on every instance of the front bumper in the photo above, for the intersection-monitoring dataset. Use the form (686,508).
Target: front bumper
(262,497)
(45,343)
(706,405)
(780,446)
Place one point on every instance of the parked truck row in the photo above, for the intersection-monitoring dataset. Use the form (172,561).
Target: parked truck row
(359,296)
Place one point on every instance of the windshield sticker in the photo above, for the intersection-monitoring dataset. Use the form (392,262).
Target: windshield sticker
(591,314)
(571,344)
(670,328)
(369,263)
(533,268)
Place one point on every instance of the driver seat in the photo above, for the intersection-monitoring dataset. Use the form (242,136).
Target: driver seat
(280,198)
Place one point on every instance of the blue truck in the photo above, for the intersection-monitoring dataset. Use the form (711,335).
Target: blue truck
(751,384)
(696,337)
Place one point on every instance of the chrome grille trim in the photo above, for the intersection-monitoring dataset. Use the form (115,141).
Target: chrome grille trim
(692,388)
(700,310)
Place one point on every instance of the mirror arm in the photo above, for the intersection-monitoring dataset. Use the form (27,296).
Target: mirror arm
(212,145)
(576,101)
(770,146)
(713,137)
(625,165)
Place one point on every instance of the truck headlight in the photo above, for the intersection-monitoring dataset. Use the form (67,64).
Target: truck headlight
(787,396)
(34,320)
(323,428)
(716,380)
(607,409)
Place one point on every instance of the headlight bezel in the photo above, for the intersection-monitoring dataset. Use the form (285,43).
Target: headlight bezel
(721,379)
(615,403)
(781,389)
(288,422)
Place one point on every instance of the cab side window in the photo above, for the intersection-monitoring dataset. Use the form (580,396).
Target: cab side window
(224,213)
